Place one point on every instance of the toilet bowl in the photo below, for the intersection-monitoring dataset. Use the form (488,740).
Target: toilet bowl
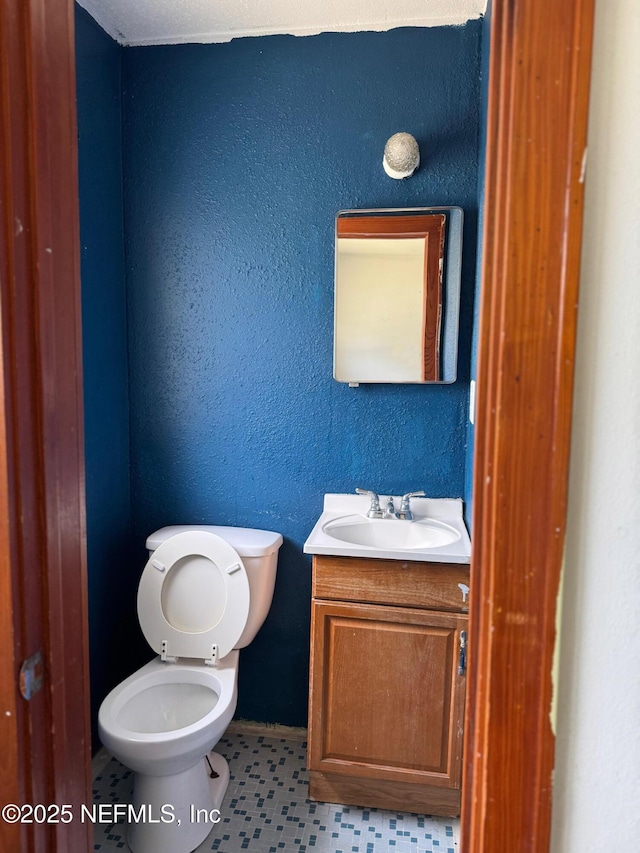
(162,719)
(203,594)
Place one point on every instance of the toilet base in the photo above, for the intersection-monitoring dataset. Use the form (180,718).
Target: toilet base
(180,810)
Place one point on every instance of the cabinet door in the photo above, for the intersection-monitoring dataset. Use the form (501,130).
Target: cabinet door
(386,698)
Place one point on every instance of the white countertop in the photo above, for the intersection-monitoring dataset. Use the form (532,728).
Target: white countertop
(447,511)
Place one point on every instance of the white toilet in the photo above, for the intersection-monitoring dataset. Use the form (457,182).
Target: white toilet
(203,594)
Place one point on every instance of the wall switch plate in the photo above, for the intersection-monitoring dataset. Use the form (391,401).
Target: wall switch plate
(472,401)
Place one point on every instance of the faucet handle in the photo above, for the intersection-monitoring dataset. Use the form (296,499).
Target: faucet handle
(405,505)
(374,509)
(412,495)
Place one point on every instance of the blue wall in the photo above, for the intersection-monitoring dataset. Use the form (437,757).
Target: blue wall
(236,159)
(106,385)
(484,98)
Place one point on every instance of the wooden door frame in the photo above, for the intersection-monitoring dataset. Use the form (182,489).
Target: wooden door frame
(42,546)
(539,73)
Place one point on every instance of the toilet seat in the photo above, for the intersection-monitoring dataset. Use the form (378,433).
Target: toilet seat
(193,597)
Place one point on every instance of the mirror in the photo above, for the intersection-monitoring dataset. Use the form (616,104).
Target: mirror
(397,295)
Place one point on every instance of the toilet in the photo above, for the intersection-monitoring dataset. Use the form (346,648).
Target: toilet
(203,595)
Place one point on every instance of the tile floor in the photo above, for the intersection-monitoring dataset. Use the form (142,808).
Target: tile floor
(266,809)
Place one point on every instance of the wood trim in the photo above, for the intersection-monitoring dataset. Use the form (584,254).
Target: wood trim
(42,412)
(20,453)
(11,722)
(432,586)
(393,227)
(371,793)
(538,96)
(432,309)
(9,769)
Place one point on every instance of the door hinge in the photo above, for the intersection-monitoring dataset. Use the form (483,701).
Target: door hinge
(164,653)
(31,675)
(462,656)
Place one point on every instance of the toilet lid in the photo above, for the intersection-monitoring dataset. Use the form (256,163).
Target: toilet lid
(193,596)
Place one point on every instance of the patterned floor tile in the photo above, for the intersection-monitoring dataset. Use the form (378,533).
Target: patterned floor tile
(266,809)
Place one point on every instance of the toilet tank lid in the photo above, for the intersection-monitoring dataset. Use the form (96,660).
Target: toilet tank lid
(247,541)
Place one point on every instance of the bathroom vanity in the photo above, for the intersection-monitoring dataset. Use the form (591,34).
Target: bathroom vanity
(387,681)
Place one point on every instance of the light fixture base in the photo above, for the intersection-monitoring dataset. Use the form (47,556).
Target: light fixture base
(401,156)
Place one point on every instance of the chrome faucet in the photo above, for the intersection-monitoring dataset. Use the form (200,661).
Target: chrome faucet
(374,510)
(390,511)
(405,505)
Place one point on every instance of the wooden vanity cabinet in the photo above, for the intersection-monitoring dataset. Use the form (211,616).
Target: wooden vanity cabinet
(386,698)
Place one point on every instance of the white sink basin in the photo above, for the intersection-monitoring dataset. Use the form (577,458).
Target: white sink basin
(391,534)
(436,534)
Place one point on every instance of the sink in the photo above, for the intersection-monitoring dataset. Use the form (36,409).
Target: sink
(437,533)
(389,533)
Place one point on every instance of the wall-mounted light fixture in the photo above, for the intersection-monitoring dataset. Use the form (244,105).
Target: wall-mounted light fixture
(401,156)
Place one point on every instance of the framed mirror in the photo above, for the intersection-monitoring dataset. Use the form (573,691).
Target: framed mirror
(397,295)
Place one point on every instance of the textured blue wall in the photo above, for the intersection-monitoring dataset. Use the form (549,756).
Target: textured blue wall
(236,159)
(106,385)
(484,97)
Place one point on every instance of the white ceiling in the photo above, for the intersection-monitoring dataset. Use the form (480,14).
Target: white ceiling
(139,22)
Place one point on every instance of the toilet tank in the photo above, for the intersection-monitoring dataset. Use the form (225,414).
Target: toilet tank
(259,552)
